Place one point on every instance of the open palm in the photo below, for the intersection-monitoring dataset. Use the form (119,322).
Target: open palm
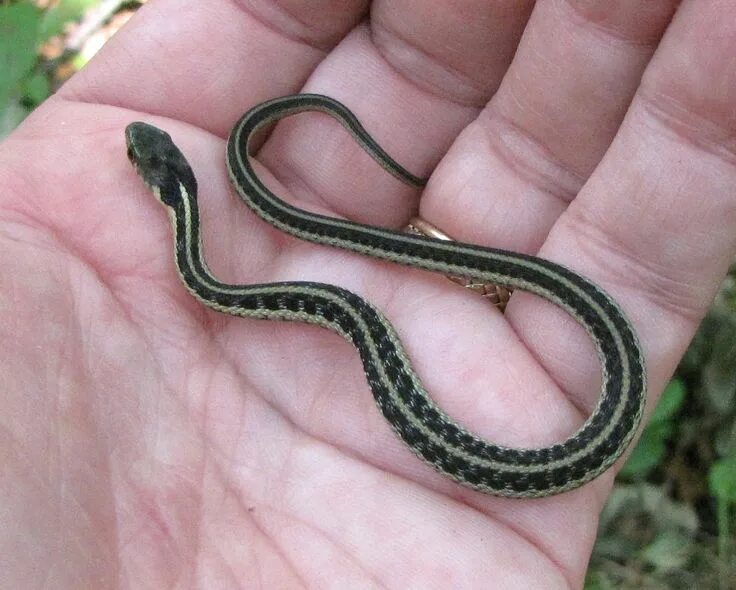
(149,442)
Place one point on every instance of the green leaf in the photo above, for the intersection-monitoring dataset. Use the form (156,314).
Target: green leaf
(652,445)
(64,12)
(79,61)
(37,88)
(597,581)
(671,401)
(11,116)
(669,550)
(19,25)
(646,455)
(722,479)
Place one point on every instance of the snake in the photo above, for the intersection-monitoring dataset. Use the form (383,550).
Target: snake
(398,391)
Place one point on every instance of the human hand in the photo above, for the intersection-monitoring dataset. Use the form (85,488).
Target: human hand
(151,442)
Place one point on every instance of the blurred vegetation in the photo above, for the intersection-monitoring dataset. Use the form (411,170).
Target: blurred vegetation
(43,42)
(669,523)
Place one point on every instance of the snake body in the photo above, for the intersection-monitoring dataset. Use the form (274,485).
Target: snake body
(398,391)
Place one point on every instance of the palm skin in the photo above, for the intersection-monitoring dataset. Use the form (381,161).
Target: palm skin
(148,442)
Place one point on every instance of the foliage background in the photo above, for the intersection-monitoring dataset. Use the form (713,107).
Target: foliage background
(670,520)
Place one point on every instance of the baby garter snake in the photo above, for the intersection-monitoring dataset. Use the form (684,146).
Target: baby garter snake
(399,393)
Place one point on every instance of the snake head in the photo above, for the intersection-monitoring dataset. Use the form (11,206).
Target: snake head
(159,163)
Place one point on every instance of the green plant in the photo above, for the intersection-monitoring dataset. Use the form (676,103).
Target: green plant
(23,29)
(669,523)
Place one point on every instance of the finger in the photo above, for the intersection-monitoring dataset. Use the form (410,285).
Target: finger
(410,87)
(516,168)
(206,62)
(656,224)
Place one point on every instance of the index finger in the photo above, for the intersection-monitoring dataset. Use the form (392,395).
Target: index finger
(205,62)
